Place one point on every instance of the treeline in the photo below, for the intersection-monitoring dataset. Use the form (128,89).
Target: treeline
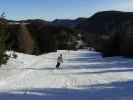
(37,37)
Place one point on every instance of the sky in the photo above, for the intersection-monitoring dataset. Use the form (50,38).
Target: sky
(60,9)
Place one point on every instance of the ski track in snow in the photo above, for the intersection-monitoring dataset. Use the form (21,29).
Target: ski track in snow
(84,75)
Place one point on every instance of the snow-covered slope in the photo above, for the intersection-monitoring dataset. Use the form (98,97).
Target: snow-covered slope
(84,75)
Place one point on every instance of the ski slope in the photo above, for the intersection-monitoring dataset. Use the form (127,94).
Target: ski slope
(84,75)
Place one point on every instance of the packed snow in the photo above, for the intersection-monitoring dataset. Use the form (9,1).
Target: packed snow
(84,75)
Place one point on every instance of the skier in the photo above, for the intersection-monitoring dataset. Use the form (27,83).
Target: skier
(59,61)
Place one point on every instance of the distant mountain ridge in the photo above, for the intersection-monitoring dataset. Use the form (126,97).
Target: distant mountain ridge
(69,23)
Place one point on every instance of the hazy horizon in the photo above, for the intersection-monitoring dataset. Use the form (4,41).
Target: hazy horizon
(60,9)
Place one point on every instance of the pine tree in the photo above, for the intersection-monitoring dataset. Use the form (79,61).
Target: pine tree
(3,38)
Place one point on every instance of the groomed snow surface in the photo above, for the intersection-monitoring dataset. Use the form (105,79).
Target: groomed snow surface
(84,75)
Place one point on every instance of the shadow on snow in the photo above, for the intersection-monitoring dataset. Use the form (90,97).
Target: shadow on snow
(110,91)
